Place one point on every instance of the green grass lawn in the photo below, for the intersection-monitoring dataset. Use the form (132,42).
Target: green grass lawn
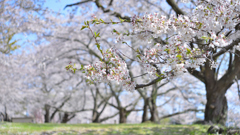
(100,129)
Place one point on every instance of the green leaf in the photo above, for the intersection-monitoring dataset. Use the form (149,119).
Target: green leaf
(98,35)
(74,70)
(121,20)
(83,27)
(166,50)
(188,51)
(114,30)
(139,57)
(98,46)
(160,77)
(204,37)
(137,50)
(101,20)
(200,25)
(179,56)
(93,21)
(82,67)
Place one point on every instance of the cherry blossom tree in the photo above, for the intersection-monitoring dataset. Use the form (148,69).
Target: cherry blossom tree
(192,41)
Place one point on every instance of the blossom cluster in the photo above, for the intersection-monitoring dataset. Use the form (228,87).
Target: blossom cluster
(191,38)
(111,68)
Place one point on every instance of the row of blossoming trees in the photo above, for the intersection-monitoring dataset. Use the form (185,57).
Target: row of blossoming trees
(151,58)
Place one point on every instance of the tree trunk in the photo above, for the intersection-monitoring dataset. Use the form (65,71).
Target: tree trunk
(5,115)
(6,118)
(216,107)
(122,115)
(95,117)
(47,114)
(95,114)
(153,107)
(65,118)
(153,110)
(145,110)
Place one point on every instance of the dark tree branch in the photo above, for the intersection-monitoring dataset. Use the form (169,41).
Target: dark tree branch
(102,109)
(163,93)
(135,110)
(148,84)
(71,117)
(185,111)
(58,108)
(109,117)
(118,15)
(78,3)
(238,88)
(110,3)
(229,76)
(103,101)
(166,102)
(230,61)
(223,50)
(114,106)
(162,85)
(197,74)
(175,7)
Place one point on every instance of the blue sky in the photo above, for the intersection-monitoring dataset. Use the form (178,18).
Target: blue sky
(58,5)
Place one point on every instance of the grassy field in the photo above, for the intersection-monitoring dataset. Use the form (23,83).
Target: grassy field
(100,129)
